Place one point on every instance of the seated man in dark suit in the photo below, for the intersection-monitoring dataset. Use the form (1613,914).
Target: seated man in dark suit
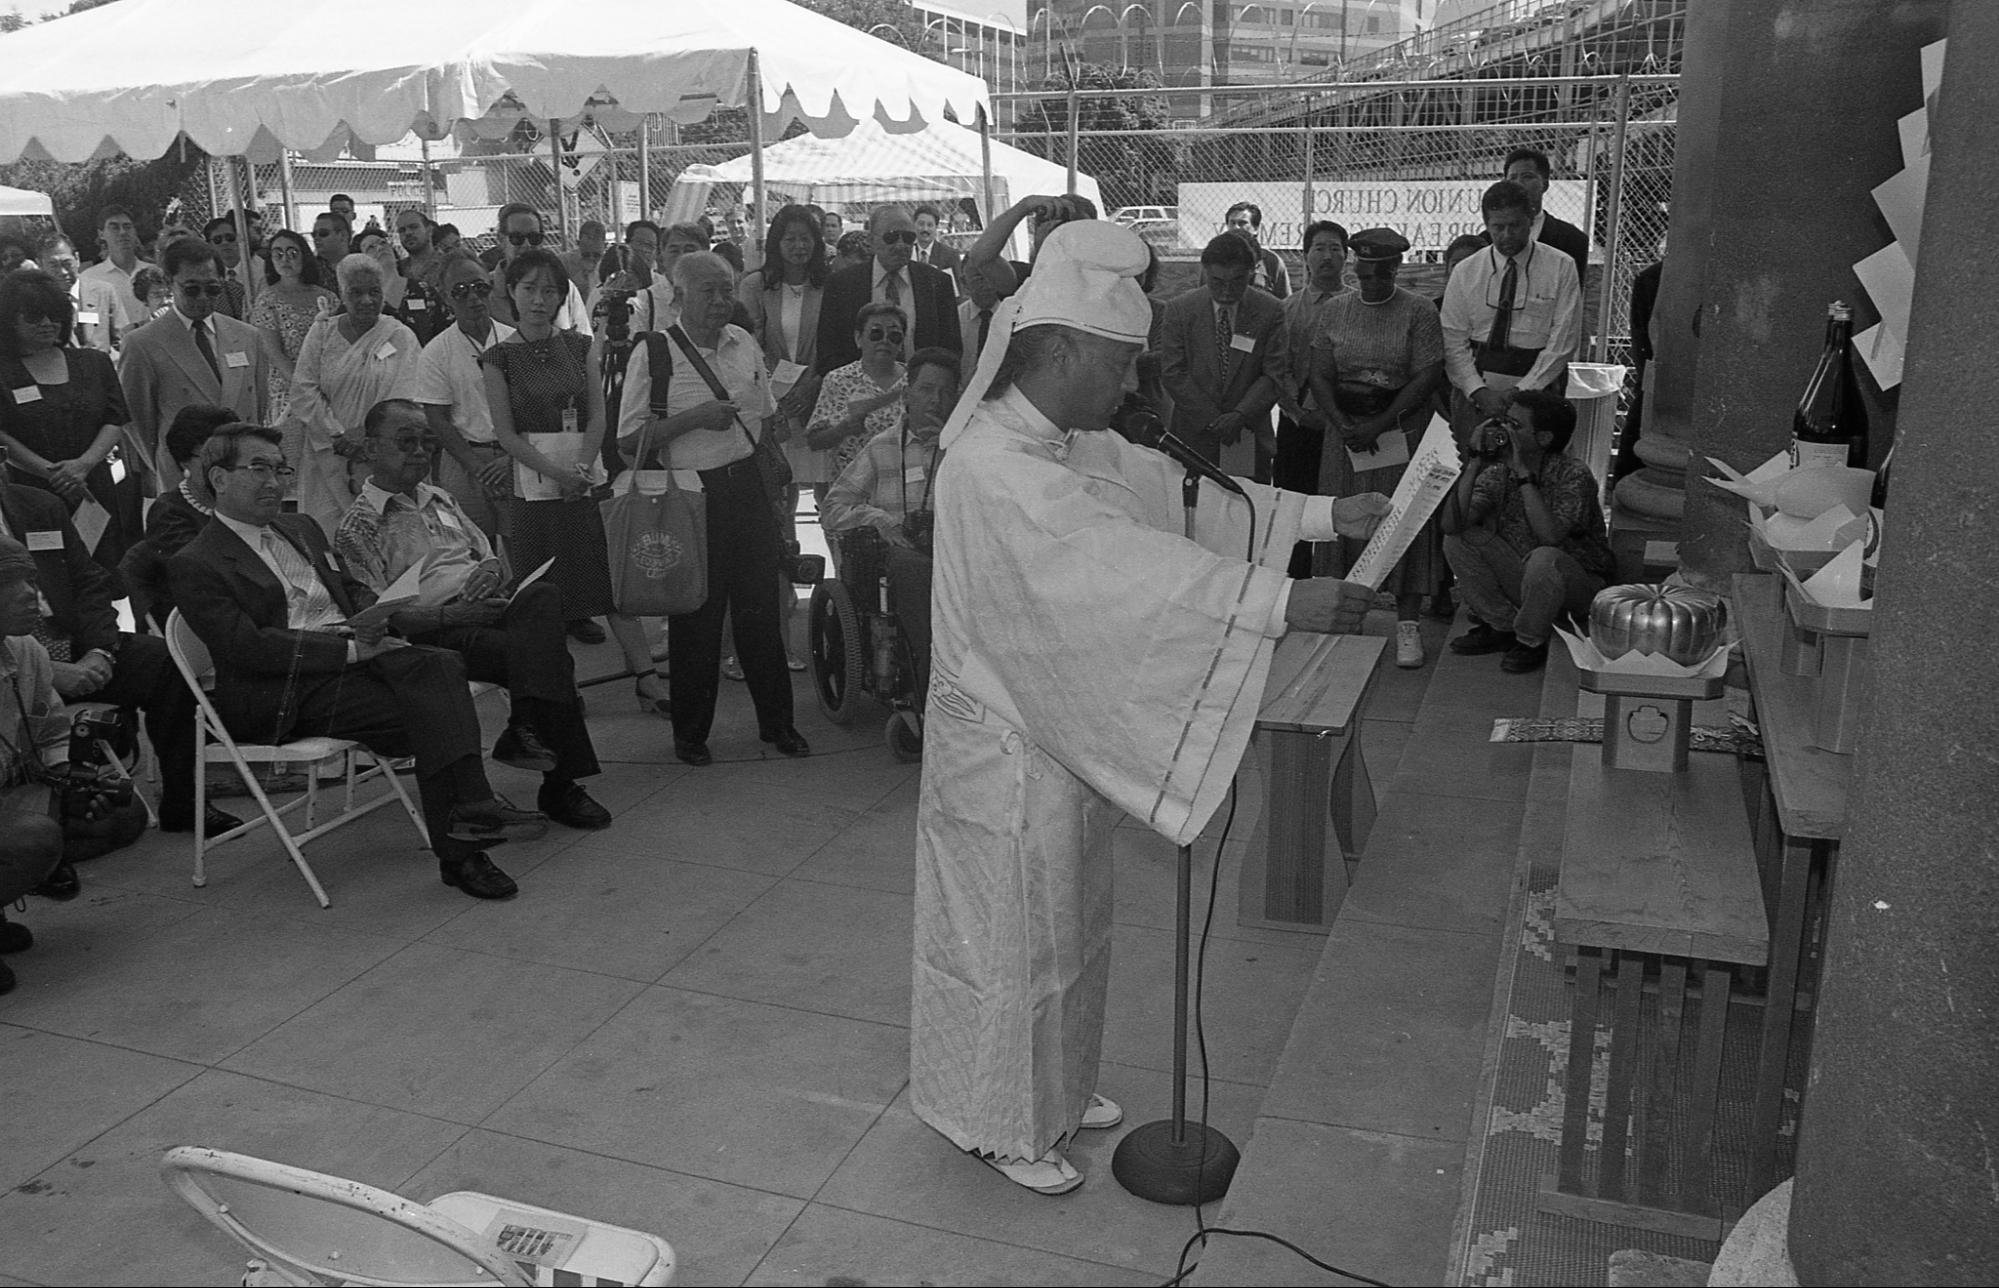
(926,294)
(264,592)
(399,521)
(1222,349)
(94,660)
(175,517)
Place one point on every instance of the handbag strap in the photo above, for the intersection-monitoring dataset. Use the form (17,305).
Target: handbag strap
(707,372)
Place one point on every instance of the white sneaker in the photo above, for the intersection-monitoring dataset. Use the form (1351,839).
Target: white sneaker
(1102,1114)
(1049,1174)
(1408,646)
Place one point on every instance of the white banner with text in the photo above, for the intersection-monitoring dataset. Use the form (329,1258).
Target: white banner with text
(1431,213)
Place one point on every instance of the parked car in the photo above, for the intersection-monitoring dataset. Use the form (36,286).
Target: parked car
(1160,234)
(1130,215)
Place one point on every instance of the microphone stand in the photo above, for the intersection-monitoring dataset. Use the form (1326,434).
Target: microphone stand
(1172,1160)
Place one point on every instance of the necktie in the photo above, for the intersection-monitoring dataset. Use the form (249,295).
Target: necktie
(985,325)
(892,289)
(1224,332)
(202,343)
(308,604)
(1501,335)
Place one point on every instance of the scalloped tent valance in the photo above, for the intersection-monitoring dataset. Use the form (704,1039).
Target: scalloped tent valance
(244,76)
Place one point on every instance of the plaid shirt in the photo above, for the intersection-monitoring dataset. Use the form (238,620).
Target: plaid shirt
(886,480)
(1573,499)
(384,533)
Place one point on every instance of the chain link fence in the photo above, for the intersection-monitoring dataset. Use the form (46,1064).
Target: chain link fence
(1412,156)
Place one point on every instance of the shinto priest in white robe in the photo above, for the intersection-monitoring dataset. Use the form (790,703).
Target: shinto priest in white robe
(1089,661)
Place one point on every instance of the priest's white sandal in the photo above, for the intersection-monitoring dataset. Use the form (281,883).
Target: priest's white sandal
(1049,1174)
(1102,1113)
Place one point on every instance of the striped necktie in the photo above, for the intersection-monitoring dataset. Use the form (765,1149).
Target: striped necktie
(202,343)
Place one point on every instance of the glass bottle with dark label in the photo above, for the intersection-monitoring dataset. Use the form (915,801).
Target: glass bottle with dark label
(1830,427)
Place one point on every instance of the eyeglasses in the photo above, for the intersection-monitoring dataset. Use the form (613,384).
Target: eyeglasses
(531,239)
(878,334)
(30,318)
(264,471)
(222,239)
(213,290)
(460,290)
(320,234)
(904,235)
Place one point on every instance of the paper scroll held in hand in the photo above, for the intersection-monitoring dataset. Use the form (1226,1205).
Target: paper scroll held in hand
(1432,472)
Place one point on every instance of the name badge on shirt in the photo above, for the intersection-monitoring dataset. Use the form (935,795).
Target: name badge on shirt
(28,394)
(417,304)
(45,541)
(569,422)
(237,359)
(386,351)
(914,474)
(88,317)
(1242,343)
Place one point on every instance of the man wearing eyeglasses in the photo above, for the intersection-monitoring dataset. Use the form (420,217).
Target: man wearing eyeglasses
(520,227)
(451,388)
(95,312)
(925,293)
(193,354)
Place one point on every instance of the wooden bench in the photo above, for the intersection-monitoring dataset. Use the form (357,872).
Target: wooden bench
(1799,800)
(1658,892)
(1318,802)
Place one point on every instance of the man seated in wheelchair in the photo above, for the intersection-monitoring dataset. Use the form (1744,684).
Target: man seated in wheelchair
(887,489)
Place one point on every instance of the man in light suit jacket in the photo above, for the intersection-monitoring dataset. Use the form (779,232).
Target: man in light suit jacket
(925,293)
(1222,348)
(192,354)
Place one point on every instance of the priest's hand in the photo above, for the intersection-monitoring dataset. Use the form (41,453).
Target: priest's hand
(1327,606)
(1359,515)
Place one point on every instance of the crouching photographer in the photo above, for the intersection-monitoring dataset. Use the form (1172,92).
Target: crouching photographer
(44,795)
(888,488)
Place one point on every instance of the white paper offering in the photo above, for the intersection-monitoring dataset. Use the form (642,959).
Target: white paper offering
(90,520)
(1391,448)
(1431,473)
(1881,349)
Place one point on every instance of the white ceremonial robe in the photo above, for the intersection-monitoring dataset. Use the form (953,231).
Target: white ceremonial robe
(1088,661)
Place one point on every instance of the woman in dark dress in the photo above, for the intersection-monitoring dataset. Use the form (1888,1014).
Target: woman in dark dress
(548,413)
(61,409)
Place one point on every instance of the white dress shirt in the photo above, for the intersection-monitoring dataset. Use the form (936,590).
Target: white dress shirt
(1547,313)
(738,363)
(449,375)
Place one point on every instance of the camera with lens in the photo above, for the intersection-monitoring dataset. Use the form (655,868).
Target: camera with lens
(617,313)
(918,526)
(800,568)
(94,734)
(1498,434)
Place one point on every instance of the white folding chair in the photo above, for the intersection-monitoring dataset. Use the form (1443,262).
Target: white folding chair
(309,1228)
(214,745)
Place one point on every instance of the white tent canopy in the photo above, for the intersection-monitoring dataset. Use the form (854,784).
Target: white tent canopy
(240,77)
(20,201)
(872,166)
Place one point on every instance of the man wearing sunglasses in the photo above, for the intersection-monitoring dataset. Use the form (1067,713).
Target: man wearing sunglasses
(520,228)
(926,294)
(220,232)
(332,239)
(451,389)
(193,354)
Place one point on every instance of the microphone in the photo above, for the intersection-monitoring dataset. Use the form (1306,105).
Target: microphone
(1195,463)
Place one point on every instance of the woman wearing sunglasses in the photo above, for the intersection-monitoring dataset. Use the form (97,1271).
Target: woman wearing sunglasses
(293,299)
(863,398)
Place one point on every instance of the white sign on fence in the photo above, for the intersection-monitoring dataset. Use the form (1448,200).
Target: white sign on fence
(1429,212)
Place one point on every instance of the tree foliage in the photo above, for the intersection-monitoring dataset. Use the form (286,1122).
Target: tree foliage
(1130,170)
(79,191)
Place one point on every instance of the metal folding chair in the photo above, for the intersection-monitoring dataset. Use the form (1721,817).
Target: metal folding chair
(310,1228)
(214,745)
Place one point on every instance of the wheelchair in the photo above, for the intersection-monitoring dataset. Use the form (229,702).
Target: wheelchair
(859,649)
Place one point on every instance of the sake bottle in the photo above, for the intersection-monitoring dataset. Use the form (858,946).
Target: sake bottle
(1830,427)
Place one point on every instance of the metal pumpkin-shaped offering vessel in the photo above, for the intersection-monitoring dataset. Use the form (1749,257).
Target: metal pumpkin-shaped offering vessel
(1675,622)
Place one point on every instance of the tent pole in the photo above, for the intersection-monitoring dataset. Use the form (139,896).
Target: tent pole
(645,172)
(429,184)
(285,187)
(555,165)
(242,227)
(985,167)
(754,97)
(1074,131)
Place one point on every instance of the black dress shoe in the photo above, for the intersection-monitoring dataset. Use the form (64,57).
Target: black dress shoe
(522,748)
(214,822)
(571,806)
(15,937)
(6,979)
(788,741)
(1481,639)
(584,630)
(471,871)
(61,885)
(496,819)
(693,753)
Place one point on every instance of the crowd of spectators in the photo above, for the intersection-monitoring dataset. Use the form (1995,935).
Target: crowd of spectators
(267,437)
